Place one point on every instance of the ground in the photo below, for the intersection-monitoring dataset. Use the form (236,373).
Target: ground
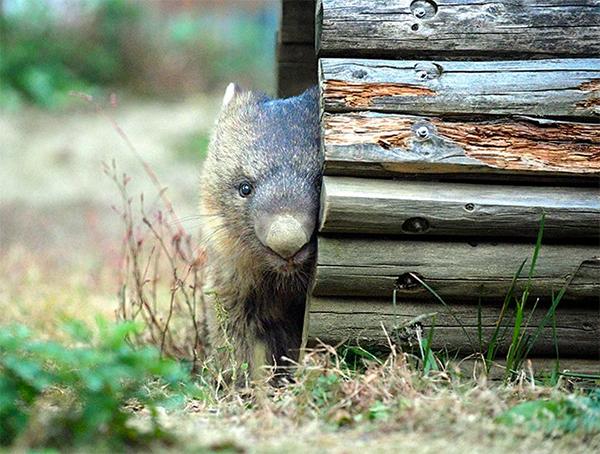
(60,244)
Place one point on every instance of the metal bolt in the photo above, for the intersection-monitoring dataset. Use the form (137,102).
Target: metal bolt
(419,12)
(422,132)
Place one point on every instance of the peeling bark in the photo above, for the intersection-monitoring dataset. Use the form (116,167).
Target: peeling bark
(558,87)
(362,94)
(593,85)
(562,147)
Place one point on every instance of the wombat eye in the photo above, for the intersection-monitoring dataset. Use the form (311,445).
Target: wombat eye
(245,189)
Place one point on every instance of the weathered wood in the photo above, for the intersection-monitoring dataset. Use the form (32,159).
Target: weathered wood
(490,29)
(297,21)
(374,144)
(294,78)
(296,56)
(296,53)
(375,267)
(367,206)
(296,69)
(568,87)
(540,366)
(359,321)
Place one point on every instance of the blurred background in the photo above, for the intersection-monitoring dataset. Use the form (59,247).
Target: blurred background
(73,74)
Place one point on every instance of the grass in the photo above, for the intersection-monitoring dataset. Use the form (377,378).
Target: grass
(335,402)
(340,399)
(519,325)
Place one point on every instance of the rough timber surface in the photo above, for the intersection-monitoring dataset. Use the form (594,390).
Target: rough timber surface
(375,267)
(375,144)
(359,321)
(297,21)
(490,29)
(537,365)
(296,55)
(567,87)
(420,208)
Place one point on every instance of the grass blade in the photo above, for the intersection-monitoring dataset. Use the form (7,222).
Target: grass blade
(493,344)
(449,309)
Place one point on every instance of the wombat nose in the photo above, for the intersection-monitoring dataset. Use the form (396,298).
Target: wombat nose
(283,234)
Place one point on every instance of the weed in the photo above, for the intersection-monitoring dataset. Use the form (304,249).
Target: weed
(86,389)
(521,341)
(554,416)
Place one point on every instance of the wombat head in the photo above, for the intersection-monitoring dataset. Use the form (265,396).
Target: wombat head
(262,180)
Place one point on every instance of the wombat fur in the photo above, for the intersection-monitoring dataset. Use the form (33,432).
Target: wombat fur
(259,205)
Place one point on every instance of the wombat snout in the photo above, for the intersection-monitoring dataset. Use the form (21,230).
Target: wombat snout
(284,234)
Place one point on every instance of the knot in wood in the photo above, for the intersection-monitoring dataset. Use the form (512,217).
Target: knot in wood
(469,206)
(423,9)
(407,282)
(415,225)
(359,74)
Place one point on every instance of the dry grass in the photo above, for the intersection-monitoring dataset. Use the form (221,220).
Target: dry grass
(333,405)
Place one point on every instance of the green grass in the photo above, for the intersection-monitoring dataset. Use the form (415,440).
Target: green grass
(518,325)
(86,386)
(193,148)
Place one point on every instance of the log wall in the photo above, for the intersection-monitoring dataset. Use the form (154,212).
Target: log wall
(448,130)
(467,29)
(296,55)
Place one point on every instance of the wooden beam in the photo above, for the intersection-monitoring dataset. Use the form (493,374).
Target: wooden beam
(297,21)
(374,144)
(473,28)
(383,207)
(455,270)
(540,366)
(296,56)
(359,321)
(568,87)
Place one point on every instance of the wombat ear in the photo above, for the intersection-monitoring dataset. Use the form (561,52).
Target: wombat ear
(231,92)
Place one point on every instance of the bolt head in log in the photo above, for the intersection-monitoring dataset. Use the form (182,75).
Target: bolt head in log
(423,9)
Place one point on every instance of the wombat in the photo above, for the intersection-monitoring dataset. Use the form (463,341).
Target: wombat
(259,205)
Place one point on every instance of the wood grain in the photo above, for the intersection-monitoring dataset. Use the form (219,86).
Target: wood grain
(359,321)
(296,55)
(454,269)
(540,366)
(374,144)
(473,28)
(382,207)
(297,23)
(567,87)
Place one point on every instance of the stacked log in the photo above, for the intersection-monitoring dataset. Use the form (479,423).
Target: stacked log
(296,57)
(448,130)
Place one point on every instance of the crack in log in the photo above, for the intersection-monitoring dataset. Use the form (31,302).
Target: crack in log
(361,94)
(506,144)
(519,145)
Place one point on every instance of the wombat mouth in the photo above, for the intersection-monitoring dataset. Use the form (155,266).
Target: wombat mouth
(294,263)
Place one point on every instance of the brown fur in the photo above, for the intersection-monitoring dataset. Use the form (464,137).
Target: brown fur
(256,304)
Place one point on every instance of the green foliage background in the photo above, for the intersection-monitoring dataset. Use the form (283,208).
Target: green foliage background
(45,54)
